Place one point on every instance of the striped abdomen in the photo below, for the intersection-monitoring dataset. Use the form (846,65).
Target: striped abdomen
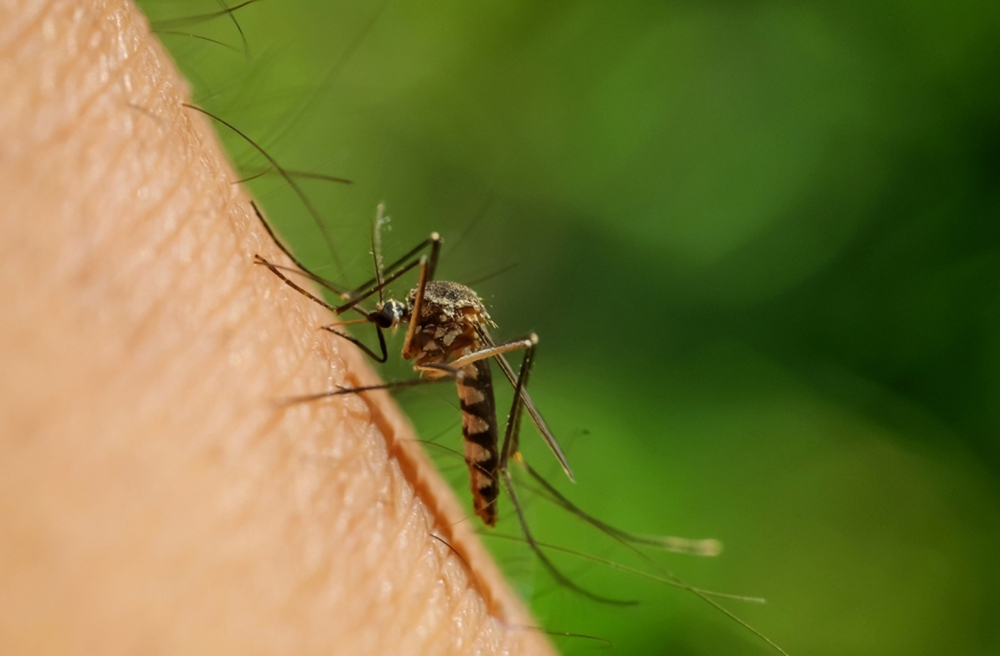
(479,429)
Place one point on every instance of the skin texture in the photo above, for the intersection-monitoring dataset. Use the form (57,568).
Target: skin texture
(154,495)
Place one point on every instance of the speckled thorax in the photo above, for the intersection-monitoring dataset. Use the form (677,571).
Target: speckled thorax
(450,319)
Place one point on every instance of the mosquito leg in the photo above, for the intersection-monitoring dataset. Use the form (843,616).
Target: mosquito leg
(302,268)
(434,241)
(512,434)
(380,357)
(375,285)
(536,417)
(288,178)
(509,449)
(494,351)
(357,296)
(319,280)
(383,354)
(443,372)
(439,370)
(703,547)
(291,283)
(274,238)
(342,391)
(556,573)
(362,293)
(418,305)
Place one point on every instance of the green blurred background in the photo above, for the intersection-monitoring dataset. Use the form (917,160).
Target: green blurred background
(760,244)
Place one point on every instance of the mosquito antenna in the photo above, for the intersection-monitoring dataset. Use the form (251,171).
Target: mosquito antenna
(288,178)
(380,220)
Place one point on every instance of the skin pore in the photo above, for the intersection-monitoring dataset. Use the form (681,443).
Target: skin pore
(154,495)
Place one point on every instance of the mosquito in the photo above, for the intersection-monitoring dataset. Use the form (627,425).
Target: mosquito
(447,335)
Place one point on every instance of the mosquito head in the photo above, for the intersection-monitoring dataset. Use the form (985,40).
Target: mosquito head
(389,314)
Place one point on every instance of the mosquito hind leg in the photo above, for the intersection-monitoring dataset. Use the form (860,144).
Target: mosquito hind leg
(525,401)
(508,449)
(511,436)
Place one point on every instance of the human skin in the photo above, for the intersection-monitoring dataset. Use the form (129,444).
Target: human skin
(154,494)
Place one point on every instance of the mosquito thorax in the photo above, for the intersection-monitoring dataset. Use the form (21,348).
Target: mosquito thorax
(389,314)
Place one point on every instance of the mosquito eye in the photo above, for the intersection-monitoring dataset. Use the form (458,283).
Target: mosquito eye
(384,318)
(389,315)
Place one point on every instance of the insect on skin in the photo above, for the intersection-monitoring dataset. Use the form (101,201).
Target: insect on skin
(453,341)
(447,336)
